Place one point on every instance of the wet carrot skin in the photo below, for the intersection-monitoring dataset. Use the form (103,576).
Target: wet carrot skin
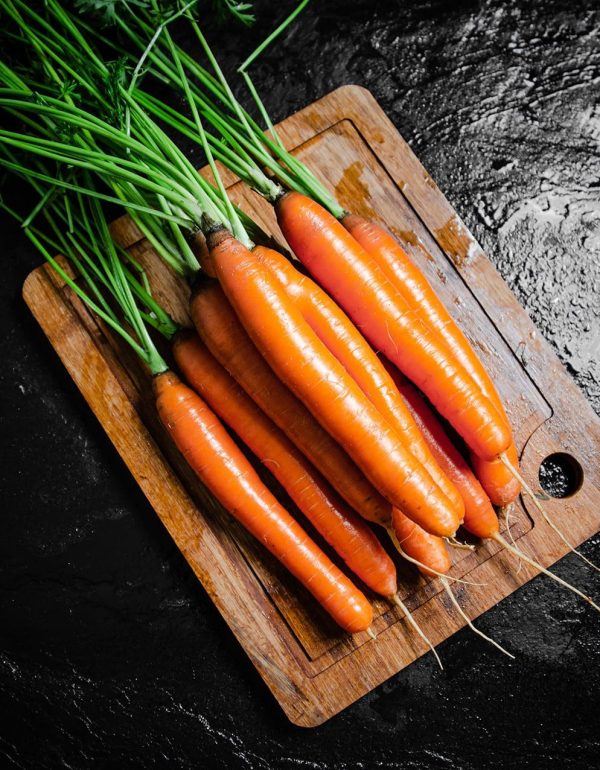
(415,288)
(361,287)
(499,483)
(344,530)
(480,518)
(346,343)
(225,337)
(425,548)
(221,466)
(496,479)
(301,360)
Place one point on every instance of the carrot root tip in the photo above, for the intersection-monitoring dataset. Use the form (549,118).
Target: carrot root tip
(551,575)
(417,628)
(507,511)
(452,541)
(469,622)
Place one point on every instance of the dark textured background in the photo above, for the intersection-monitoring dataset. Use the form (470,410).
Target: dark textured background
(110,653)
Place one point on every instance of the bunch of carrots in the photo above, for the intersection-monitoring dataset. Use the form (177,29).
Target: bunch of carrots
(283,349)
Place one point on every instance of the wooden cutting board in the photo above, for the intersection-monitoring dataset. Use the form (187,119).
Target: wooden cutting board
(313,670)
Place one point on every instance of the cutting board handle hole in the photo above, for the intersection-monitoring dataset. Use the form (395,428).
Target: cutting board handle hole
(560,475)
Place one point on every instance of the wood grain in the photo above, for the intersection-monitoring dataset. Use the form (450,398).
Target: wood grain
(313,670)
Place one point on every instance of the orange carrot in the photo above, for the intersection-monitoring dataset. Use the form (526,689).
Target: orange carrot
(431,556)
(480,518)
(347,533)
(333,327)
(496,479)
(301,360)
(360,286)
(219,463)
(428,550)
(500,476)
(225,337)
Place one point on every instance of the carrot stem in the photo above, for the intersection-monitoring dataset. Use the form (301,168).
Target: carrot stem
(276,32)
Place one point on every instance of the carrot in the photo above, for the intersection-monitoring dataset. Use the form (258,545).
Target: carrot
(112,292)
(225,337)
(499,483)
(379,310)
(431,556)
(496,479)
(301,360)
(309,229)
(480,518)
(319,227)
(333,327)
(347,533)
(430,551)
(221,466)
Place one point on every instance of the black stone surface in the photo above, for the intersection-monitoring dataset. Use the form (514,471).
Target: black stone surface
(111,656)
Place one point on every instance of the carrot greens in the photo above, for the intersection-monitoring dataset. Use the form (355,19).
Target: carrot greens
(86,242)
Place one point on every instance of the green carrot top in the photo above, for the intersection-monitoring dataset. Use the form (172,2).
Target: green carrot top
(111,283)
